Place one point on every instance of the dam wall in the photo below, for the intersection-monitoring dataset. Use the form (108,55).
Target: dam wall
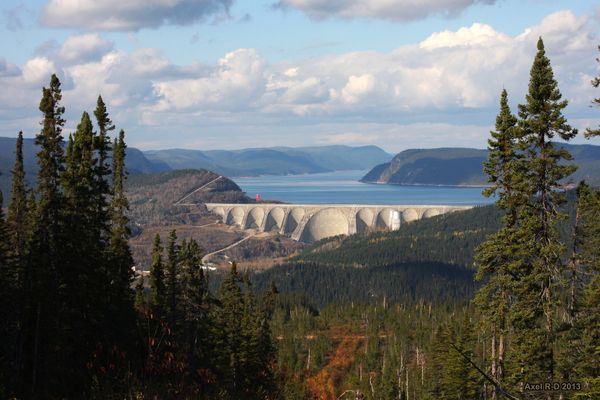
(312,222)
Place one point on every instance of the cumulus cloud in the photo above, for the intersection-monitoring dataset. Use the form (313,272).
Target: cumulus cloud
(131,15)
(84,48)
(36,70)
(447,85)
(398,10)
(237,82)
(475,35)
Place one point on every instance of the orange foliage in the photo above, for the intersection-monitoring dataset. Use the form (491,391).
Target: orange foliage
(325,384)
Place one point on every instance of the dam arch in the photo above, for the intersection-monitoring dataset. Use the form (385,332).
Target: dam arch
(255,218)
(293,220)
(235,216)
(432,212)
(325,223)
(274,220)
(364,220)
(410,215)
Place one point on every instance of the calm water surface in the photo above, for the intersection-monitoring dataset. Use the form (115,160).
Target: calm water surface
(342,187)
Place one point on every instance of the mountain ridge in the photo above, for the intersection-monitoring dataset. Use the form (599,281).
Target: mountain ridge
(463,166)
(279,160)
(232,163)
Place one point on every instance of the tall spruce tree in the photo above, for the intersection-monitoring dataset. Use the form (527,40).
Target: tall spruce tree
(101,218)
(493,257)
(44,317)
(18,223)
(84,289)
(102,170)
(120,270)
(539,269)
(17,210)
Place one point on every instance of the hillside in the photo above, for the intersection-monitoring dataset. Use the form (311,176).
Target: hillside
(448,238)
(430,259)
(156,208)
(152,197)
(273,161)
(463,166)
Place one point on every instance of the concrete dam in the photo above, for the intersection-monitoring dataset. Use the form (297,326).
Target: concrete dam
(312,222)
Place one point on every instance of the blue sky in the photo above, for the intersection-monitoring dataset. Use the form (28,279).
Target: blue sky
(211,74)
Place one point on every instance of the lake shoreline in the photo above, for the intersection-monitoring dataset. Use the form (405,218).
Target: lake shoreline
(344,187)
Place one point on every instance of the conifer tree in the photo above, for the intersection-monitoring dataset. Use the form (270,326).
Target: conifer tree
(585,302)
(494,256)
(455,377)
(580,335)
(102,170)
(540,121)
(17,210)
(101,215)
(18,223)
(8,302)
(85,314)
(50,158)
(157,278)
(195,307)
(172,281)
(42,323)
(120,270)
(229,324)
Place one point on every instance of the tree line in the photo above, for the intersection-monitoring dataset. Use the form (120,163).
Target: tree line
(73,327)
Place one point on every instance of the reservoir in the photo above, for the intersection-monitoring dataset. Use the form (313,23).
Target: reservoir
(343,187)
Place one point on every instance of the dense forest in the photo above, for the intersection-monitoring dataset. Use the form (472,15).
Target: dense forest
(72,325)
(379,316)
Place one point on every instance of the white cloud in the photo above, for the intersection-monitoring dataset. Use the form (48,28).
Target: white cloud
(452,79)
(130,15)
(476,35)
(399,10)
(357,88)
(84,48)
(36,70)
(237,82)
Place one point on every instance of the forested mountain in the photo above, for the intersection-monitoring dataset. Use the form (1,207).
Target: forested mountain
(430,260)
(464,166)
(449,238)
(273,161)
